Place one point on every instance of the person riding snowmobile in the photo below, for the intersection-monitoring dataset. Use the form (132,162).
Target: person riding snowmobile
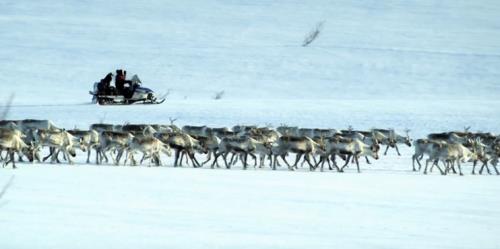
(104,86)
(121,81)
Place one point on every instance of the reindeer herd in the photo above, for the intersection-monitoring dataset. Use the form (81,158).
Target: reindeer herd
(122,144)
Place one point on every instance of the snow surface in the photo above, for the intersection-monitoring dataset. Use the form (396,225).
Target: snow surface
(425,65)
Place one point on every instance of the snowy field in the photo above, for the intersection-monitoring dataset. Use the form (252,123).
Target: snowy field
(428,66)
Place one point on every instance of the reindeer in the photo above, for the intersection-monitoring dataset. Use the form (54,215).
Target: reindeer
(210,145)
(11,140)
(485,153)
(59,141)
(268,136)
(302,146)
(371,138)
(113,141)
(244,145)
(89,139)
(28,136)
(349,147)
(422,147)
(394,139)
(150,147)
(449,153)
(181,142)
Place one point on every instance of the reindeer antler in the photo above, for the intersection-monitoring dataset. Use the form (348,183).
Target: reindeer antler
(172,120)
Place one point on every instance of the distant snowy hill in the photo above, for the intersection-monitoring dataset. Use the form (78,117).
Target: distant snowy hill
(251,49)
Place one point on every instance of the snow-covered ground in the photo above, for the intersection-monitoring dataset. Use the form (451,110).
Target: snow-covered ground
(116,207)
(424,65)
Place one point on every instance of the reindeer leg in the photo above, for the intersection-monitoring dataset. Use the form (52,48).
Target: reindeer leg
(459,167)
(386,149)
(286,162)
(209,157)
(397,149)
(496,170)
(357,163)
(13,159)
(20,157)
(254,159)
(183,153)
(119,156)
(299,155)
(485,163)
(54,157)
(176,157)
(348,159)
(329,163)
(105,157)
(132,159)
(302,163)
(88,154)
(307,157)
(262,159)
(50,154)
(322,162)
(474,168)
(216,156)
(144,157)
(195,162)
(333,158)
(270,158)
(37,156)
(452,164)
(216,161)
(245,157)
(426,164)
(228,166)
(367,161)
(128,156)
(314,159)
(432,166)
(158,160)
(441,171)
(232,159)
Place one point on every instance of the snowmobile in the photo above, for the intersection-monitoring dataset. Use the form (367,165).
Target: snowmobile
(135,94)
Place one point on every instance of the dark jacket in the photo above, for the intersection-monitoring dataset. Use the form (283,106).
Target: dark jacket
(105,84)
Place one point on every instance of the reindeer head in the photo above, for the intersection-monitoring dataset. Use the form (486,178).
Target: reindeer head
(72,152)
(478,147)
